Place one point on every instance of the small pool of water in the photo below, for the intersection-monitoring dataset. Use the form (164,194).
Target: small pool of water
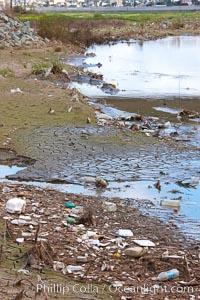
(165,67)
(7,170)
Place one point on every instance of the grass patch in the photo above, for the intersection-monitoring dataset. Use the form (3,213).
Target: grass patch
(38,68)
(128,16)
(7,72)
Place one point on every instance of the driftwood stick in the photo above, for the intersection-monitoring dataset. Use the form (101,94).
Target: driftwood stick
(187,267)
(37,233)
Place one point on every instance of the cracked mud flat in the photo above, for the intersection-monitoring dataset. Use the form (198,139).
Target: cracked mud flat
(70,157)
(71,154)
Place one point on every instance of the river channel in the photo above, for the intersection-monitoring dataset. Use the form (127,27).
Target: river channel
(155,78)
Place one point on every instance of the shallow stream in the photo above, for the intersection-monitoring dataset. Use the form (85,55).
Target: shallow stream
(153,78)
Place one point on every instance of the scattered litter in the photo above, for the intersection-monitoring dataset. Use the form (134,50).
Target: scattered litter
(70,220)
(191,182)
(117,255)
(18,222)
(16,205)
(17,90)
(164,276)
(57,266)
(51,111)
(101,182)
(82,259)
(168,202)
(6,190)
(70,205)
(26,234)
(110,206)
(27,218)
(144,243)
(125,232)
(106,267)
(19,240)
(135,251)
(71,269)
(88,121)
(24,271)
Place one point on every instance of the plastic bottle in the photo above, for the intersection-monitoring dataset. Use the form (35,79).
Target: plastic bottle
(70,220)
(168,202)
(164,276)
(74,268)
(70,205)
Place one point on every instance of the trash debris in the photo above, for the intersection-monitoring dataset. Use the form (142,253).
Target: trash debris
(188,113)
(190,182)
(20,240)
(135,251)
(171,274)
(26,234)
(24,271)
(87,218)
(70,220)
(166,255)
(69,108)
(144,243)
(101,182)
(17,90)
(58,265)
(88,120)
(70,205)
(125,232)
(51,111)
(6,190)
(158,185)
(168,202)
(82,259)
(117,255)
(106,267)
(16,205)
(110,206)
(71,269)
(18,222)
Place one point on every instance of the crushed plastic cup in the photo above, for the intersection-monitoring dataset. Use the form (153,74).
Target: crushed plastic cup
(16,205)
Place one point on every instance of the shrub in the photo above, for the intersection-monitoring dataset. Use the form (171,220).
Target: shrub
(38,68)
(7,72)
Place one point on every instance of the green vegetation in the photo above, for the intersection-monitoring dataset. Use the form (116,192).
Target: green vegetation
(56,65)
(96,28)
(128,16)
(38,68)
(7,72)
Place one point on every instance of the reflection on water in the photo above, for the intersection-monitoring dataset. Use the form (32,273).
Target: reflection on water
(167,67)
(159,71)
(6,170)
